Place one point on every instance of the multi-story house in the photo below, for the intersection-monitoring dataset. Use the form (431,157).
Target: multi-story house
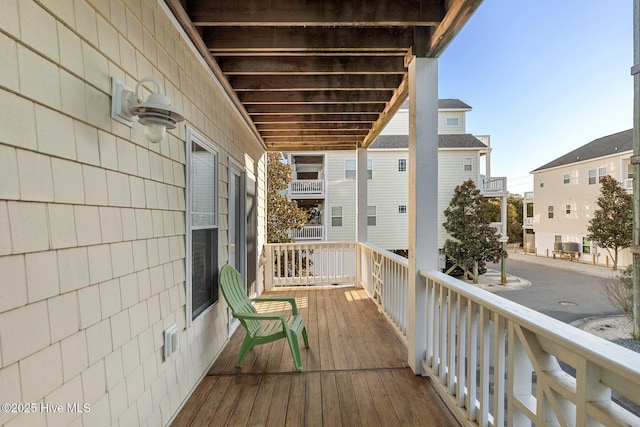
(324,183)
(565,191)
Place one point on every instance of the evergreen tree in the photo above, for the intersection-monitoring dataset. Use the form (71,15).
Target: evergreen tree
(468,222)
(611,225)
(282,214)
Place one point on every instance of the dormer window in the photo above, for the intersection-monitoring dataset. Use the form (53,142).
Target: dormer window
(452,121)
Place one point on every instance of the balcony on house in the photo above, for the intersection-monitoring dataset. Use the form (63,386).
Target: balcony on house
(491,361)
(308,232)
(308,181)
(494,187)
(306,188)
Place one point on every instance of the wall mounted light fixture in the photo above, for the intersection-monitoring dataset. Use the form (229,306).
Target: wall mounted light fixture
(156,113)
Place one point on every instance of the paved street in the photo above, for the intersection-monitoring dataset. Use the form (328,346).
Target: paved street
(557,292)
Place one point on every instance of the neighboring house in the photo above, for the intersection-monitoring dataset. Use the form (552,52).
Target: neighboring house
(324,183)
(564,195)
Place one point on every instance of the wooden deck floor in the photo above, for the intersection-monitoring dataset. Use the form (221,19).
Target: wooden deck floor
(355,373)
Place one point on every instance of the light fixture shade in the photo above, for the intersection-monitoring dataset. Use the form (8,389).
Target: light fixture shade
(156,113)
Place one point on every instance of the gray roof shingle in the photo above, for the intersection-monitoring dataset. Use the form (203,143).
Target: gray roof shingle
(443,104)
(465,140)
(605,146)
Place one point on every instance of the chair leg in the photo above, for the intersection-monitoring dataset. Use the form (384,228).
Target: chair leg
(247,345)
(304,335)
(295,350)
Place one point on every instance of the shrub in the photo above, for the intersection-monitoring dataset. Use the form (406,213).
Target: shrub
(619,291)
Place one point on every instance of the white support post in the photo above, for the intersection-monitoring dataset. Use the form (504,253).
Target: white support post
(361,207)
(423,197)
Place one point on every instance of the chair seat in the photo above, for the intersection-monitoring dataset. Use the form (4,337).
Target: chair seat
(273,327)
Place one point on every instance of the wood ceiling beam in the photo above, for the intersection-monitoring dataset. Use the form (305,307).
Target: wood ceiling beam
(312,65)
(311,147)
(314,138)
(327,132)
(254,109)
(316,97)
(311,82)
(245,40)
(292,118)
(313,126)
(457,15)
(334,13)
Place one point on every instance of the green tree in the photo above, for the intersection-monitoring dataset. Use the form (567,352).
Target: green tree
(611,225)
(514,218)
(282,214)
(468,222)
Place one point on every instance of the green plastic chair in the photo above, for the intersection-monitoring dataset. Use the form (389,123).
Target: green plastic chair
(262,328)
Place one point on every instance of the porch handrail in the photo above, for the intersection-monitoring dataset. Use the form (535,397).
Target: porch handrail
(385,276)
(497,184)
(308,231)
(310,263)
(306,186)
(470,331)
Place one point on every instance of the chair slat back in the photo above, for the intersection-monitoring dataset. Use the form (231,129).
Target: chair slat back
(233,292)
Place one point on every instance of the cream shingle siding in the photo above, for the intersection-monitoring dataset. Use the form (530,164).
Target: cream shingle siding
(92,216)
(580,196)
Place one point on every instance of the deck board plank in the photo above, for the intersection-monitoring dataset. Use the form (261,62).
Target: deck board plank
(355,373)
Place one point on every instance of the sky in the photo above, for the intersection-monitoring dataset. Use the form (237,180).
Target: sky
(543,77)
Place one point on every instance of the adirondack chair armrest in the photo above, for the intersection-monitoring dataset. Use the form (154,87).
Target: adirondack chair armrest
(290,300)
(262,316)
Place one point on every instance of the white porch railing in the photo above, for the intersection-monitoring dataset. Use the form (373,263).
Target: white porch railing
(528,222)
(528,196)
(321,263)
(493,361)
(306,188)
(494,185)
(499,363)
(308,232)
(385,276)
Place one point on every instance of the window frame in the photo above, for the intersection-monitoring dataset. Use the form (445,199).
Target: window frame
(402,165)
(402,209)
(541,182)
(567,209)
(335,217)
(467,164)
(550,212)
(192,314)
(455,121)
(601,173)
(566,179)
(592,175)
(586,245)
(372,220)
(350,172)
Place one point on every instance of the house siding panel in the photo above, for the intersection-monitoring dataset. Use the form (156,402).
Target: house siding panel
(82,185)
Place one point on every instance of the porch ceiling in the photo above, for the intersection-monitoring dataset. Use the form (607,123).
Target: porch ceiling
(318,75)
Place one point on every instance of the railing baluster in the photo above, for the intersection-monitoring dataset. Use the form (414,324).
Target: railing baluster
(461,350)
(499,340)
(472,359)
(485,331)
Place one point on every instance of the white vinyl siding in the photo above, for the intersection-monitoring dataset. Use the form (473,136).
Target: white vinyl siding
(446,117)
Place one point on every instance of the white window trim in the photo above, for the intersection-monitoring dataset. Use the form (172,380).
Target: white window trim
(192,136)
